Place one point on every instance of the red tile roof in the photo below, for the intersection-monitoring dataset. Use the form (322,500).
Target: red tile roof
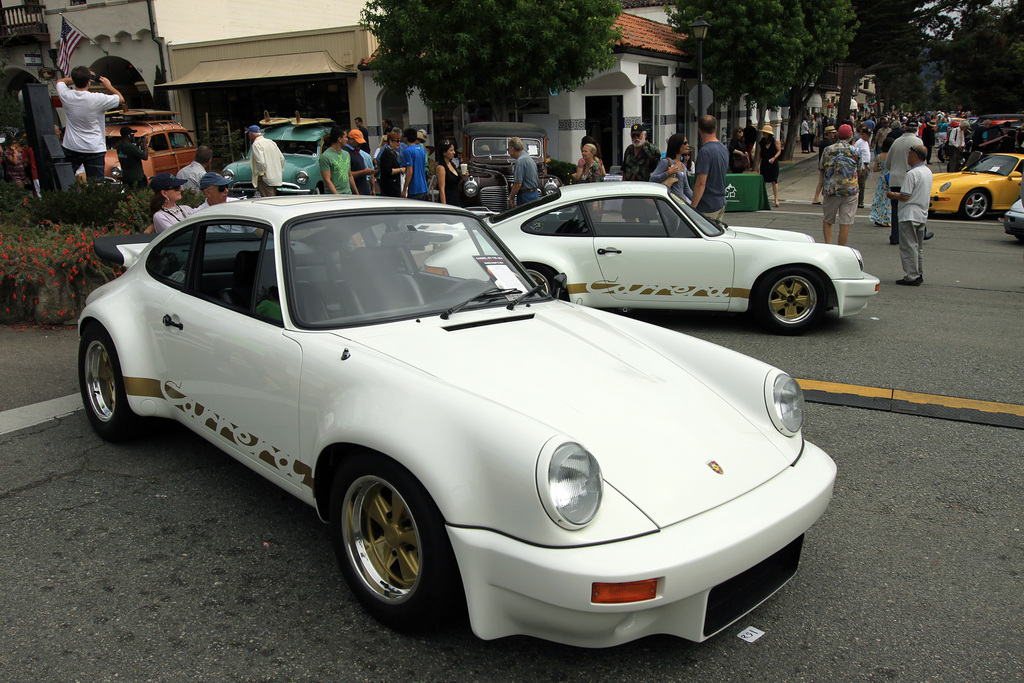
(647,34)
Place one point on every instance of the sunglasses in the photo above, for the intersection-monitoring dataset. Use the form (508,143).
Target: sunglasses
(221,188)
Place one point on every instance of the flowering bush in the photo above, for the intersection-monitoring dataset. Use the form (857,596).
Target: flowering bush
(46,274)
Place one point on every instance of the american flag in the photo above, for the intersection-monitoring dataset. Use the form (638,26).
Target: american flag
(69,39)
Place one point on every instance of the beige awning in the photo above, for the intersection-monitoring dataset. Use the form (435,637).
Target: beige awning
(238,71)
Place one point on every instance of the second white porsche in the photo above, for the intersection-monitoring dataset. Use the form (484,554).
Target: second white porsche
(636,245)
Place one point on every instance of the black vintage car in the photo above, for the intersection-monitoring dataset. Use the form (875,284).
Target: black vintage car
(485,150)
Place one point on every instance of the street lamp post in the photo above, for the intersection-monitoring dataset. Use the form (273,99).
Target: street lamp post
(699,30)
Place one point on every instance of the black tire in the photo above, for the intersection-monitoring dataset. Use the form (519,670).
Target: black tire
(319,189)
(545,275)
(392,546)
(1020,237)
(975,205)
(102,387)
(789,300)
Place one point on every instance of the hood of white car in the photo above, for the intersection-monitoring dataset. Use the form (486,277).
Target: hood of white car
(741,233)
(666,441)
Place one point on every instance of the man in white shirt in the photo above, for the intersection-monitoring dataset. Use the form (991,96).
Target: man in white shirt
(955,144)
(913,196)
(863,147)
(85,139)
(266,161)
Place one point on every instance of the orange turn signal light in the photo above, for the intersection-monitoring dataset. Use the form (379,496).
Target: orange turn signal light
(435,270)
(631,591)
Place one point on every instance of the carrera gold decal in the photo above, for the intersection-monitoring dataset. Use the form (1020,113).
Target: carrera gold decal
(142,386)
(253,445)
(615,287)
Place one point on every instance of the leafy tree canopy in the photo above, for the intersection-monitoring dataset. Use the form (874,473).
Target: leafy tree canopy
(497,51)
(753,47)
(983,61)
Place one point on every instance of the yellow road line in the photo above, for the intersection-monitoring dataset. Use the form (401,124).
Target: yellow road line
(912,397)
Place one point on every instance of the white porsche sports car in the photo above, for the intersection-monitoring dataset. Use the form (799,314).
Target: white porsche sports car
(636,245)
(474,444)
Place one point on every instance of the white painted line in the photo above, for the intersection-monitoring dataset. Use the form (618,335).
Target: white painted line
(37,413)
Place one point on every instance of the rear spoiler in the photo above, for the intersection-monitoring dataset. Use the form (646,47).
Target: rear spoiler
(123,250)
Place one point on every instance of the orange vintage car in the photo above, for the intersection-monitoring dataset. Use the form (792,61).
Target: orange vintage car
(171,147)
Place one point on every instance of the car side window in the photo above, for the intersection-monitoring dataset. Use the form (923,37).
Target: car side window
(180,140)
(626,217)
(231,270)
(158,142)
(674,223)
(169,261)
(565,220)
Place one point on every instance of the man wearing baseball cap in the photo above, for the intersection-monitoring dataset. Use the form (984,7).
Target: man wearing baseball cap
(215,187)
(131,156)
(360,171)
(640,158)
(266,161)
(838,168)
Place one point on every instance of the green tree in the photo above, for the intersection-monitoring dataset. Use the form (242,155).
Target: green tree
(764,48)
(983,61)
(498,51)
(753,47)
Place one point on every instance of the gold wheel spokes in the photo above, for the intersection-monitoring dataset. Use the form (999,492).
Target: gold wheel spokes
(381,538)
(792,299)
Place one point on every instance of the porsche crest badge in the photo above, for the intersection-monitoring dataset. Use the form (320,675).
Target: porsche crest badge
(715,467)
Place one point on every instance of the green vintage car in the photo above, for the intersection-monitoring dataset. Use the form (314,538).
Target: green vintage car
(300,140)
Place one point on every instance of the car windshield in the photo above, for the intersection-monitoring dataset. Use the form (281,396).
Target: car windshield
(346,270)
(703,223)
(303,147)
(498,147)
(997,164)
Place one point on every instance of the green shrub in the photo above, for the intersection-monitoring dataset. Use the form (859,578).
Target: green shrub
(14,204)
(562,169)
(88,204)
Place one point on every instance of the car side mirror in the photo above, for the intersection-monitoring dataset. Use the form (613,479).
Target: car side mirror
(560,287)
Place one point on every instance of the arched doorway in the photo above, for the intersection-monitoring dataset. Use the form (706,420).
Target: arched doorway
(126,78)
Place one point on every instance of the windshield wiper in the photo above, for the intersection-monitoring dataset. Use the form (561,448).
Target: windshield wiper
(486,294)
(536,288)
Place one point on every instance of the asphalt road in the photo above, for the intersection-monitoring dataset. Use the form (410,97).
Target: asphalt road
(165,560)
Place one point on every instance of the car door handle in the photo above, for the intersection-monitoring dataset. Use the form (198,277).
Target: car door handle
(609,250)
(170,323)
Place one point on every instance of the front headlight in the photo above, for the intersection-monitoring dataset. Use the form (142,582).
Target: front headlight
(115,172)
(301,177)
(470,187)
(945,186)
(569,483)
(550,185)
(785,402)
(228,173)
(860,259)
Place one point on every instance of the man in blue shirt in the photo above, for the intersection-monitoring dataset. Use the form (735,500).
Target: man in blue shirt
(525,181)
(414,158)
(712,165)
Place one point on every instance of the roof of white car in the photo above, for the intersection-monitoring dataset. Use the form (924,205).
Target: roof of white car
(279,209)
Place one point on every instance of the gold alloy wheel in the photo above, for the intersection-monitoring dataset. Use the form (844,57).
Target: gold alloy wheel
(99,381)
(793,299)
(381,538)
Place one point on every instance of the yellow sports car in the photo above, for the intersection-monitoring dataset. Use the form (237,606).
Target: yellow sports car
(992,183)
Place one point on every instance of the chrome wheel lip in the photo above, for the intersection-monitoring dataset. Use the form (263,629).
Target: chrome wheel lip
(539,279)
(779,306)
(99,382)
(360,547)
